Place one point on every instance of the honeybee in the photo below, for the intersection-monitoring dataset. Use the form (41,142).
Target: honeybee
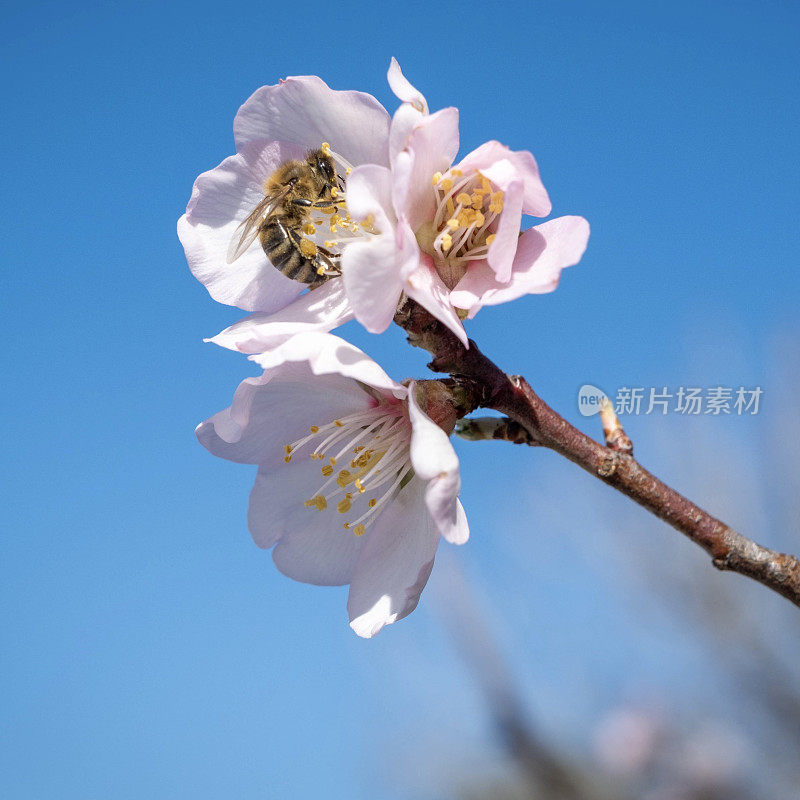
(291,192)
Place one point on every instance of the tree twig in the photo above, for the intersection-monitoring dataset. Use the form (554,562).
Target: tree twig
(616,438)
(478,382)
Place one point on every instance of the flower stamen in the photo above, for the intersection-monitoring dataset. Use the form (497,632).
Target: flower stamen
(378,440)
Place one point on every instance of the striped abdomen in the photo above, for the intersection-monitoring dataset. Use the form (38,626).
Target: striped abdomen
(282,246)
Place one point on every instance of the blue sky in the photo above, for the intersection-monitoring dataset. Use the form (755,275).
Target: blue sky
(150,649)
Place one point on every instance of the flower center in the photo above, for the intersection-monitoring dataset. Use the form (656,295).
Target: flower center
(463,227)
(374,446)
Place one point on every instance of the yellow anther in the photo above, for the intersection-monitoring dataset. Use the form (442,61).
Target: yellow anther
(463,198)
(348,170)
(446,184)
(343,478)
(359,530)
(333,461)
(478,219)
(320,270)
(327,470)
(343,506)
(447,241)
(331,243)
(334,192)
(452,223)
(456,173)
(326,148)
(338,423)
(314,429)
(287,448)
(437,176)
(346,526)
(318,502)
(359,485)
(372,503)
(451,207)
(287,459)
(490,238)
(496,204)
(309,229)
(358,449)
(308,248)
(486,185)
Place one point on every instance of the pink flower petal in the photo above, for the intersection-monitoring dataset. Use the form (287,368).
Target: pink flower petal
(369,192)
(312,547)
(426,287)
(433,145)
(221,199)
(395,563)
(501,251)
(535,199)
(306,111)
(322,309)
(435,462)
(371,274)
(403,90)
(325,354)
(412,109)
(542,252)
(246,432)
(373,269)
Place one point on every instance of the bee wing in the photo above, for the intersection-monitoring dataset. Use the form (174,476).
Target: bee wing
(246,233)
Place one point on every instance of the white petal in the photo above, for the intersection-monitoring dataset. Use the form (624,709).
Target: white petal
(326,354)
(306,111)
(369,192)
(275,409)
(221,199)
(435,462)
(373,269)
(403,90)
(433,146)
(312,546)
(371,274)
(394,565)
(412,109)
(542,253)
(322,309)
(426,287)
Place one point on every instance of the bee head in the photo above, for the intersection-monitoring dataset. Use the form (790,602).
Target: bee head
(323,165)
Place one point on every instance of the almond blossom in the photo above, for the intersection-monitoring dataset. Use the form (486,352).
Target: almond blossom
(408,221)
(356,481)
(277,124)
(465,219)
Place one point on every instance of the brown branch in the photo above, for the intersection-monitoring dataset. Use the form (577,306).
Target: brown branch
(478,382)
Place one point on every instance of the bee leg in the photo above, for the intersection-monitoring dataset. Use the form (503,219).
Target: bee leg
(326,265)
(301,201)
